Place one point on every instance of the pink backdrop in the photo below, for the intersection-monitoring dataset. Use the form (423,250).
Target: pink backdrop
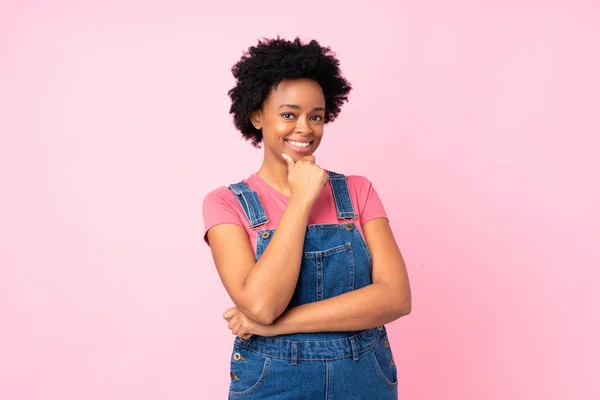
(477,123)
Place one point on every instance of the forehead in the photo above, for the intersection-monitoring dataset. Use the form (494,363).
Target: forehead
(302,92)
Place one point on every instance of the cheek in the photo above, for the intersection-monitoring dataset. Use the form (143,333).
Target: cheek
(319,132)
(281,129)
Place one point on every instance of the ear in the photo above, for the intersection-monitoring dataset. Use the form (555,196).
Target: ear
(256,119)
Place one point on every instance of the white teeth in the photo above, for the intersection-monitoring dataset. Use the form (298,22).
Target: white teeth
(298,144)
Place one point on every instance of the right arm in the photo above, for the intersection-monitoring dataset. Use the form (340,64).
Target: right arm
(263,289)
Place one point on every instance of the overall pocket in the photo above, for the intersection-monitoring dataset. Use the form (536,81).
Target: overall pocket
(248,371)
(383,361)
(324,274)
(337,269)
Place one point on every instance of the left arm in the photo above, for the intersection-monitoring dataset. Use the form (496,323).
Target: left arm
(386,299)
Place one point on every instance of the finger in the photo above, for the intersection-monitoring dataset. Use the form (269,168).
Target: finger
(232,322)
(289,160)
(310,159)
(229,313)
(243,331)
(237,329)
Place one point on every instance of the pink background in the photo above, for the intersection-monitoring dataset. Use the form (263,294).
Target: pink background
(476,121)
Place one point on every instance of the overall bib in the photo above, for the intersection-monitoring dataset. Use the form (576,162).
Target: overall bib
(322,365)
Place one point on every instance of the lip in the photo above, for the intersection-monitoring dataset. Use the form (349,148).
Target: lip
(300,140)
(297,149)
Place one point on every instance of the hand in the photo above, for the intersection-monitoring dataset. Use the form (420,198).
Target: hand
(244,327)
(306,179)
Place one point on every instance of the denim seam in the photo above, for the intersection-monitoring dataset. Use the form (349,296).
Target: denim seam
(362,241)
(334,250)
(242,190)
(327,226)
(351,269)
(328,385)
(320,341)
(261,380)
(312,359)
(319,269)
(380,371)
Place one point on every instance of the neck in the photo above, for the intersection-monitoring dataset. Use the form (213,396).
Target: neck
(275,172)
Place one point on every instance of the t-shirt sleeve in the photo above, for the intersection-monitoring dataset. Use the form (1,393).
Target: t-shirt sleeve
(370,205)
(218,209)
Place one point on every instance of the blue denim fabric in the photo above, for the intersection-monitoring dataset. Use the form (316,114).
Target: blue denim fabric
(322,365)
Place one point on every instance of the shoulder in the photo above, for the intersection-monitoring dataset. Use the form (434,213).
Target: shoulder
(367,200)
(359,186)
(223,192)
(351,178)
(361,189)
(219,207)
(220,194)
(354,181)
(357,180)
(220,197)
(357,183)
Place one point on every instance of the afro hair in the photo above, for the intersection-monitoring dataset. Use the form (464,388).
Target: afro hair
(264,66)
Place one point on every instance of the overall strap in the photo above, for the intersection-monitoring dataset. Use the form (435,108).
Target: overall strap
(251,204)
(341,196)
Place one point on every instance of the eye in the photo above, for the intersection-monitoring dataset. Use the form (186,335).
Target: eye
(317,118)
(287,115)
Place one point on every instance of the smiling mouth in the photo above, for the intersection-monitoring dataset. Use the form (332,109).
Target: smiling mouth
(300,145)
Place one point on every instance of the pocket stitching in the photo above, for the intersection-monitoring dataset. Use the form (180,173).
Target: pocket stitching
(328,252)
(362,241)
(380,371)
(257,385)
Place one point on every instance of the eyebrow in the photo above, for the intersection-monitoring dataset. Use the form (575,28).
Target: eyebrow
(297,107)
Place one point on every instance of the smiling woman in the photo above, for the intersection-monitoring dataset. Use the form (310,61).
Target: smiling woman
(306,254)
(293,117)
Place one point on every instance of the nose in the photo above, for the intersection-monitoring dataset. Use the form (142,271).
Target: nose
(303,125)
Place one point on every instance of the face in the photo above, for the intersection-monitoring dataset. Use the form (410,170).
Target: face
(292,119)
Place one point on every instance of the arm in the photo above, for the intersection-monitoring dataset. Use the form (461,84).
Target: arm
(261,289)
(386,299)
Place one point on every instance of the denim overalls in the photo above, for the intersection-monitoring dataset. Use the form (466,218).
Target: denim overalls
(323,365)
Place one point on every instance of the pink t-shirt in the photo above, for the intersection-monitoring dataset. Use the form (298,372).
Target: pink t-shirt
(221,206)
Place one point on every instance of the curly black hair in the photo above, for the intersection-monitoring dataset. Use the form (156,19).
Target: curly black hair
(264,66)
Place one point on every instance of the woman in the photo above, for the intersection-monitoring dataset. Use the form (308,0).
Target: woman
(307,255)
